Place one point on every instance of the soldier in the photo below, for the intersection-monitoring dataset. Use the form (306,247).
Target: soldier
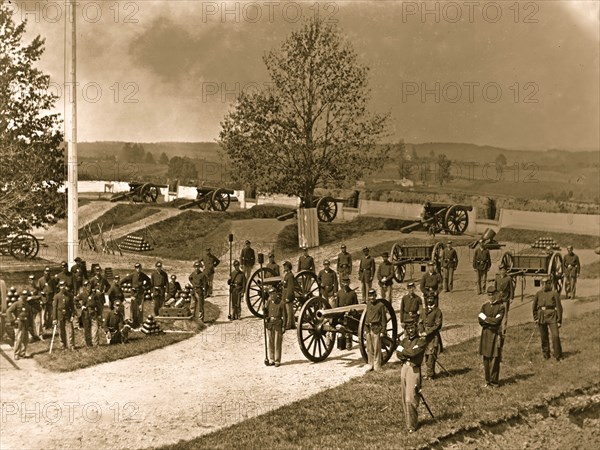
(449,265)
(366,272)
(211,262)
(481,264)
(117,331)
(505,292)
(345,296)
(571,270)
(236,283)
(115,292)
(288,295)
(91,315)
(19,314)
(385,276)
(34,300)
(328,282)
(247,260)
(275,319)
(139,281)
(490,345)
(411,309)
(63,310)
(173,287)
(431,281)
(432,324)
(159,281)
(547,313)
(99,281)
(344,262)
(79,275)
(375,325)
(199,283)
(66,276)
(273,266)
(47,286)
(306,262)
(410,352)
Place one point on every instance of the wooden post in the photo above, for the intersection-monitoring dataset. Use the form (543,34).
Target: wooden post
(308,227)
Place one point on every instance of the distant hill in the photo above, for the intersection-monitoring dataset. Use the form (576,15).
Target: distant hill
(209,151)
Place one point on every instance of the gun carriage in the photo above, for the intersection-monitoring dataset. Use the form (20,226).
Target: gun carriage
(139,193)
(18,243)
(327,208)
(437,217)
(406,255)
(210,199)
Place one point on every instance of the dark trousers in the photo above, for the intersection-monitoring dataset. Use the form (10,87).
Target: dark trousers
(430,359)
(47,313)
(555,340)
(481,281)
(199,304)
(491,369)
(448,278)
(570,285)
(159,300)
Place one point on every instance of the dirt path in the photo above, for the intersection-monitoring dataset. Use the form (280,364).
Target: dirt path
(210,381)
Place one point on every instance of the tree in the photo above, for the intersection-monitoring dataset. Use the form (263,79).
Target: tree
(131,153)
(164,159)
(32,162)
(150,158)
(501,160)
(312,127)
(443,169)
(404,164)
(182,169)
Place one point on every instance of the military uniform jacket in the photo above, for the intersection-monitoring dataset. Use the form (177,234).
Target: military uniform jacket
(347,297)
(410,308)
(67,277)
(274,267)
(79,273)
(366,269)
(94,305)
(238,280)
(482,260)
(247,257)
(412,350)
(306,263)
(63,307)
(275,314)
(115,293)
(504,286)
(21,312)
(375,316)
(101,283)
(114,321)
(547,307)
(288,286)
(211,262)
(36,300)
(137,280)
(46,285)
(198,280)
(432,324)
(159,279)
(450,258)
(433,281)
(344,261)
(571,265)
(328,278)
(385,270)
(490,344)
(173,288)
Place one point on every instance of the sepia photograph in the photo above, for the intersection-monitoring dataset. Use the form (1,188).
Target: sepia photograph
(299,224)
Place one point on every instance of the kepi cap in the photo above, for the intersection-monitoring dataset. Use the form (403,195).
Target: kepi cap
(491,289)
(372,293)
(137,265)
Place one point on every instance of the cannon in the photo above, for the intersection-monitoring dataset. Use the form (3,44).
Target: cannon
(18,243)
(402,256)
(210,199)
(326,208)
(437,217)
(139,193)
(488,240)
(319,323)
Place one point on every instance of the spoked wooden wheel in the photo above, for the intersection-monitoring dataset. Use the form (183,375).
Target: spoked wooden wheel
(255,292)
(555,271)
(456,220)
(306,286)
(315,343)
(220,200)
(203,202)
(149,193)
(399,269)
(389,339)
(326,209)
(24,245)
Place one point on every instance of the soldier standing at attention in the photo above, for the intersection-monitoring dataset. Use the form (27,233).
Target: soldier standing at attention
(66,276)
(328,282)
(19,314)
(375,324)
(79,275)
(159,281)
(571,269)
(345,296)
(490,345)
(366,272)
(247,260)
(432,325)
(273,266)
(139,280)
(410,352)
(505,292)
(481,264)
(275,318)
(236,282)
(449,265)
(306,262)
(91,313)
(411,308)
(288,295)
(431,281)
(385,276)
(47,286)
(344,262)
(547,313)
(115,292)
(99,281)
(62,315)
(199,284)
(211,262)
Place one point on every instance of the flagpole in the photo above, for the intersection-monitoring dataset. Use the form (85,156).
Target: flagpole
(71,131)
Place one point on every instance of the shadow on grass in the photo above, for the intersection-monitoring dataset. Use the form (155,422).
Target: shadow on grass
(428,420)
(452,372)
(515,379)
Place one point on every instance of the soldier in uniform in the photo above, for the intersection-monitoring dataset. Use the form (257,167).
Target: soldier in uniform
(173,287)
(275,319)
(79,275)
(116,330)
(432,325)
(236,282)
(491,343)
(288,295)
(328,282)
(115,292)
(345,296)
(375,325)
(139,281)
(547,313)
(273,266)
(410,352)
(344,262)
(366,272)
(305,261)
(99,281)
(91,315)
(34,299)
(159,281)
(571,270)
(431,281)
(19,314)
(47,286)
(66,276)
(481,264)
(211,262)
(63,310)
(199,283)
(247,260)
(505,292)
(385,276)
(449,265)
(411,306)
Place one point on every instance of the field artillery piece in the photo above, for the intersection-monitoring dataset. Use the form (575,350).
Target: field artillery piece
(210,199)
(139,193)
(319,323)
(487,238)
(327,208)
(437,217)
(18,243)
(404,255)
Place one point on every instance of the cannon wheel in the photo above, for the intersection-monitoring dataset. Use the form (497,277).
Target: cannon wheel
(314,342)
(555,271)
(399,269)
(255,299)
(305,286)
(203,202)
(220,200)
(456,220)
(326,209)
(24,245)
(436,256)
(388,342)
(149,193)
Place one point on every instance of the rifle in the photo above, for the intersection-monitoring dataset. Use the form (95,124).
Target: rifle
(420,395)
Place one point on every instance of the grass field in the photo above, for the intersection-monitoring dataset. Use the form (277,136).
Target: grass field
(562,239)
(591,270)
(122,214)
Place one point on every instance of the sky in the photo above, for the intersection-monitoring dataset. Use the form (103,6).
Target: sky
(520,75)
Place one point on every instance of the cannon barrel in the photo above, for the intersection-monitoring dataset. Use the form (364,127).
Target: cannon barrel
(340,311)
(286,216)
(207,189)
(448,205)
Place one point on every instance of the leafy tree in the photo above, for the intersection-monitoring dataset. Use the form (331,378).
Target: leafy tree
(312,127)
(150,158)
(182,169)
(443,169)
(131,153)
(32,162)
(501,160)
(404,165)
(164,159)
